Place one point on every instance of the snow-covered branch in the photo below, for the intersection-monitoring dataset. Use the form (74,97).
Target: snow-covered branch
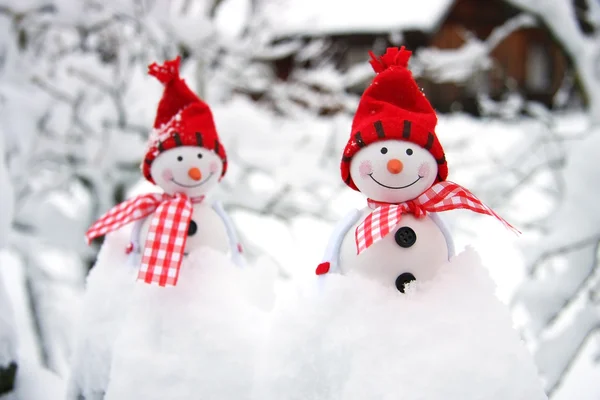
(460,65)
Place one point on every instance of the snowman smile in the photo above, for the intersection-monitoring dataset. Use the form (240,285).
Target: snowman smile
(395,187)
(192,186)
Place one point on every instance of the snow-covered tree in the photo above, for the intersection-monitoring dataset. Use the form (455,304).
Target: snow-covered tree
(561,293)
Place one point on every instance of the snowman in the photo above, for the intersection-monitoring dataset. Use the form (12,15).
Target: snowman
(186,160)
(150,236)
(395,159)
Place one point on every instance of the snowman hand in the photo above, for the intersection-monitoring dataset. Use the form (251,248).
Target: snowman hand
(323,268)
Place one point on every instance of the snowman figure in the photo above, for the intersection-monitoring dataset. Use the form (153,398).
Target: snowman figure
(151,235)
(186,159)
(395,158)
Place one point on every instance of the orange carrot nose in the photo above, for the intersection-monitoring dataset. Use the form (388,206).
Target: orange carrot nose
(195,174)
(395,166)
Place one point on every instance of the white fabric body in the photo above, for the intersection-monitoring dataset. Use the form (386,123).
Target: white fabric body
(385,260)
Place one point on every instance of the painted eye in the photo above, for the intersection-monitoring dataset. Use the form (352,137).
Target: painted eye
(199,155)
(409,152)
(179,158)
(383,150)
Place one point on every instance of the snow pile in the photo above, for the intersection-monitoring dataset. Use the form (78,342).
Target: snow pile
(197,340)
(34,382)
(349,338)
(8,340)
(109,286)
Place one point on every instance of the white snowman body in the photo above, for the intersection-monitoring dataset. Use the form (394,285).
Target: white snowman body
(193,171)
(396,171)
(391,258)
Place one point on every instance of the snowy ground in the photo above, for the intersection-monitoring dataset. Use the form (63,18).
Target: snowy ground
(345,337)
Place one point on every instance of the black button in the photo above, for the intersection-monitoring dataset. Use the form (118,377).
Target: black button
(405,237)
(403,279)
(193,228)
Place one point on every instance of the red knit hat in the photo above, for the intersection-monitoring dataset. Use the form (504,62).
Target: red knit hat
(182,119)
(393,107)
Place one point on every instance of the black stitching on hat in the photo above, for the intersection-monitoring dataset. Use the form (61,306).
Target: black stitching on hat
(177,139)
(359,140)
(439,177)
(407,128)
(348,179)
(379,128)
(160,146)
(199,139)
(429,141)
(346,159)
(441,160)
(217,146)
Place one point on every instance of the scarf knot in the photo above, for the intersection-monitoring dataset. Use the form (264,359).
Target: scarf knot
(442,196)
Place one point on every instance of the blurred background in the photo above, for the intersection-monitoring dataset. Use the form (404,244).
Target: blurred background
(516,84)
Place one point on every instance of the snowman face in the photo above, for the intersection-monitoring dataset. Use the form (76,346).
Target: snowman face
(189,169)
(393,171)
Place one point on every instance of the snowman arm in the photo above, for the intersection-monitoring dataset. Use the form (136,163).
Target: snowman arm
(445,231)
(234,242)
(135,235)
(331,257)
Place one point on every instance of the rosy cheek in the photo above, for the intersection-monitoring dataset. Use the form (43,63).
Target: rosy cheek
(167,175)
(424,170)
(213,167)
(365,169)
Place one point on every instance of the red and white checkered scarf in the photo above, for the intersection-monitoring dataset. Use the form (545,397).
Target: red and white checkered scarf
(162,253)
(442,196)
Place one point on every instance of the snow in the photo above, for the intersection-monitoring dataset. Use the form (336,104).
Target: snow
(109,287)
(6,197)
(36,383)
(327,17)
(8,340)
(456,65)
(348,338)
(231,17)
(195,340)
(582,378)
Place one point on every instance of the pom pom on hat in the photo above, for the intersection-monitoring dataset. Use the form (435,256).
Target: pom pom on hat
(393,107)
(167,72)
(392,57)
(182,119)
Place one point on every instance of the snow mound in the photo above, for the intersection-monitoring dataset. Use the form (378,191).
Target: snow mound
(197,340)
(350,338)
(34,382)
(109,286)
(8,340)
